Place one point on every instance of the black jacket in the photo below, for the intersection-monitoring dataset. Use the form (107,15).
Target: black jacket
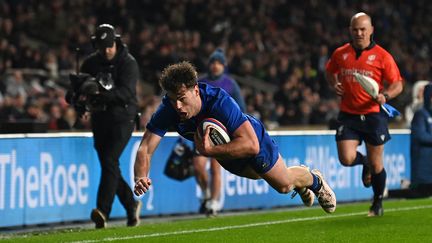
(125,74)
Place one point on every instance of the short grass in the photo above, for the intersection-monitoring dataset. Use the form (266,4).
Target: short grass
(403,221)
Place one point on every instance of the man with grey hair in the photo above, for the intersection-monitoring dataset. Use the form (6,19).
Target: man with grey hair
(360,118)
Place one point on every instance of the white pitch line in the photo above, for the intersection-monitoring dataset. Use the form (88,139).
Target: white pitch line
(182,232)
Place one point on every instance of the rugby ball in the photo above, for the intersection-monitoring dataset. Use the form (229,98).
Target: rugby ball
(368,84)
(218,132)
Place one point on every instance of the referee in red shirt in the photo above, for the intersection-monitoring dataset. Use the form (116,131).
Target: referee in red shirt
(360,117)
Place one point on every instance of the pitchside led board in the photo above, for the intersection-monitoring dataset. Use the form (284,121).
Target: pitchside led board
(54,178)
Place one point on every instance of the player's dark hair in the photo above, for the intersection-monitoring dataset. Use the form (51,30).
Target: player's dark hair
(176,75)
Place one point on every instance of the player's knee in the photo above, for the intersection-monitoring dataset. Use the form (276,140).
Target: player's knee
(346,161)
(376,168)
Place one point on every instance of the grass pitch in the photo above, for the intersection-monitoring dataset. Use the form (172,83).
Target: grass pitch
(403,221)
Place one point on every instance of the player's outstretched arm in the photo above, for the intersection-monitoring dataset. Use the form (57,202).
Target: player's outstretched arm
(148,145)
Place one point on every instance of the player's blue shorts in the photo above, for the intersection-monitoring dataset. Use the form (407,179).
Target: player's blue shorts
(371,128)
(263,162)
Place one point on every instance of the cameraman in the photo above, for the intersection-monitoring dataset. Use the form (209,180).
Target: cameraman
(112,120)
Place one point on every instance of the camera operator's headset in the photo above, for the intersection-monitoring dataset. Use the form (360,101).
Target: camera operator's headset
(117,37)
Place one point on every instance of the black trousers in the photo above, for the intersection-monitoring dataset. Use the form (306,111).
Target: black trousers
(110,138)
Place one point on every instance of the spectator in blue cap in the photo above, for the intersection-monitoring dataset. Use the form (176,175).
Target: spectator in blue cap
(218,55)
(218,77)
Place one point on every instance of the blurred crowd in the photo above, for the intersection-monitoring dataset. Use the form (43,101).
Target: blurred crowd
(283,44)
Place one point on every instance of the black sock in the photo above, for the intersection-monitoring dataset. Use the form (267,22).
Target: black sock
(378,184)
(360,159)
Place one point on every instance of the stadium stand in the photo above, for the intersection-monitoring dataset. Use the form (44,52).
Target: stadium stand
(274,44)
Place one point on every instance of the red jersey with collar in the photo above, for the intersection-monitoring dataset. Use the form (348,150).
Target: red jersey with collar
(374,62)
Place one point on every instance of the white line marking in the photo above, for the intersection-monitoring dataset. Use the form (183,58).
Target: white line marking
(182,232)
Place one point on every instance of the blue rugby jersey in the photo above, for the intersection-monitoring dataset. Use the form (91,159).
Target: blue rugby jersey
(217,104)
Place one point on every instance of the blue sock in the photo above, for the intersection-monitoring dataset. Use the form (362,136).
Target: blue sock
(316,184)
(360,159)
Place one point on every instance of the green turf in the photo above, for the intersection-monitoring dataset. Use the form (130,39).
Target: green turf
(403,221)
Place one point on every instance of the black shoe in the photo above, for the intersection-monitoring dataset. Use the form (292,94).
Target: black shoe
(203,209)
(376,209)
(366,176)
(211,213)
(134,215)
(98,218)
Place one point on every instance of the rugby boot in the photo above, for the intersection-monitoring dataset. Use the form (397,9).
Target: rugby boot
(326,196)
(306,195)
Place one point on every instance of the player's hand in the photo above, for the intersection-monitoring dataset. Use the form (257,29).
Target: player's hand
(203,144)
(380,99)
(339,89)
(142,185)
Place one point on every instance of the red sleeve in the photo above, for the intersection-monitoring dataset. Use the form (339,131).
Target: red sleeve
(332,66)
